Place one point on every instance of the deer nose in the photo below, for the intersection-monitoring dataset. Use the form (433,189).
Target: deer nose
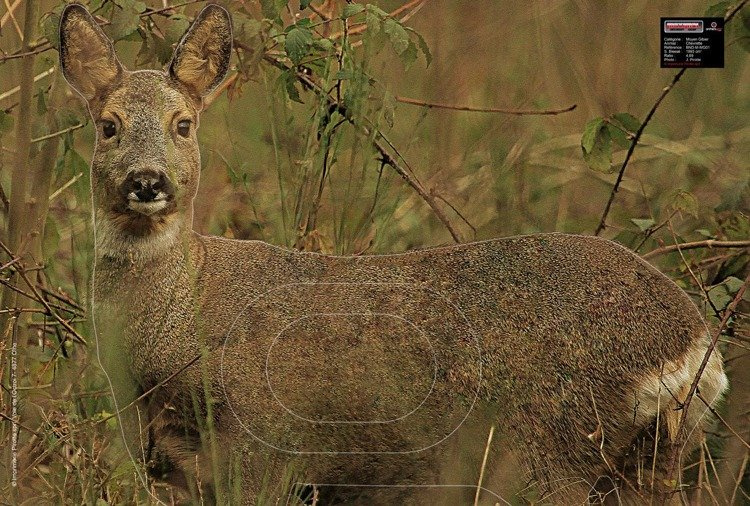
(147,186)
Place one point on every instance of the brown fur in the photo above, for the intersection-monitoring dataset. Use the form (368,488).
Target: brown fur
(559,340)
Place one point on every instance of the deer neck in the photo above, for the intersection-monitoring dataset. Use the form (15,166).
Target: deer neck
(156,243)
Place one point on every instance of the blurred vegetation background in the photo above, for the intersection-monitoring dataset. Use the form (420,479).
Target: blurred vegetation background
(313,144)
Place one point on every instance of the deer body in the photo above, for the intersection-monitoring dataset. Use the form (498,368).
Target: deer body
(363,370)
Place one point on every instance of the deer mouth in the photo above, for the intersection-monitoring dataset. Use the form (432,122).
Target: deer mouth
(159,203)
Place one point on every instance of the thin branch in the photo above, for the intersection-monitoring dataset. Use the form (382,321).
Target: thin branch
(322,15)
(14,56)
(721,419)
(64,187)
(602,222)
(455,107)
(633,144)
(728,312)
(9,13)
(708,243)
(150,390)
(163,10)
(47,305)
(38,77)
(55,134)
(484,464)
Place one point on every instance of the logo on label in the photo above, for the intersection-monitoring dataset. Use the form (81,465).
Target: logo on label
(691,26)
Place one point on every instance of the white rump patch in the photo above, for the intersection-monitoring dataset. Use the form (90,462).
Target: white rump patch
(665,390)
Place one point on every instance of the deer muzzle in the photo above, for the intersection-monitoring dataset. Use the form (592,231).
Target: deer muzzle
(147,191)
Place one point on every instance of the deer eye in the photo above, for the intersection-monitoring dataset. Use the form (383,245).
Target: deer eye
(183,128)
(109,129)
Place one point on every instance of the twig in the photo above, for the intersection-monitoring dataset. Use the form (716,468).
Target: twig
(633,144)
(14,56)
(38,77)
(738,481)
(56,134)
(9,13)
(320,13)
(220,89)
(4,198)
(28,429)
(8,264)
(484,464)
(148,392)
(719,417)
(61,297)
(151,12)
(455,107)
(602,222)
(57,192)
(47,305)
(708,243)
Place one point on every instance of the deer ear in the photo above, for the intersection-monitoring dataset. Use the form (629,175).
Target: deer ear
(201,59)
(87,57)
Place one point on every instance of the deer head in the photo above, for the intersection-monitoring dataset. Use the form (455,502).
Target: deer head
(146,162)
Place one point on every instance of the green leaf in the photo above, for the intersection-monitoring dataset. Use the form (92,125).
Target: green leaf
(125,19)
(733,284)
(351,10)
(176,27)
(719,297)
(686,202)
(374,23)
(297,43)
(643,223)
(304,4)
(410,55)
(50,23)
(271,9)
(397,34)
(589,133)
(377,11)
(628,121)
(389,108)
(244,28)
(423,46)
(623,127)
(288,82)
(618,135)
(323,44)
(596,144)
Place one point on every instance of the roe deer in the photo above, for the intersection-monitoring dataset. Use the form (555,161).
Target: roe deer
(376,375)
